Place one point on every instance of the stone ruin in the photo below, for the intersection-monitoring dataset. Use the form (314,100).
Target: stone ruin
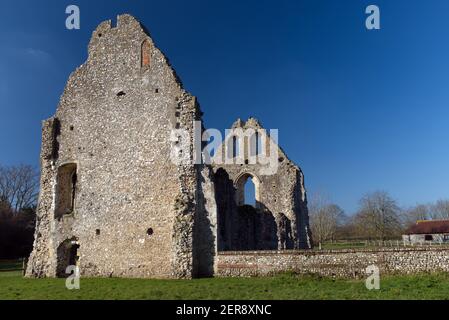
(111,200)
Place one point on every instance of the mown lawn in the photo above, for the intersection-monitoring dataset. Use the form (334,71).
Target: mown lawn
(286,286)
(345,245)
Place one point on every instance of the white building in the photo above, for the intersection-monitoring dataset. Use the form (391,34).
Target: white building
(427,231)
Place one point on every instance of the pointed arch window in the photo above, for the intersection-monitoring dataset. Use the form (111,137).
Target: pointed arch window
(146,54)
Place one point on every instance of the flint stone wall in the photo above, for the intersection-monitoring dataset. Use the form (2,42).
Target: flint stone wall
(334,263)
(112,200)
(134,209)
(280,220)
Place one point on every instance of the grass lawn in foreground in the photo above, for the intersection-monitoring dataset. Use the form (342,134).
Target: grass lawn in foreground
(285,286)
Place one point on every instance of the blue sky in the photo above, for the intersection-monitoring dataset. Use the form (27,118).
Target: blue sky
(358,110)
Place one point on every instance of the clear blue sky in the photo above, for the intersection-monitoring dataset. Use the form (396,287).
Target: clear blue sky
(358,110)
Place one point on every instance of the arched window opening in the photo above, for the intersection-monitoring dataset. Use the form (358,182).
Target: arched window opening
(247,188)
(259,145)
(146,54)
(249,193)
(235,147)
(256,140)
(255,144)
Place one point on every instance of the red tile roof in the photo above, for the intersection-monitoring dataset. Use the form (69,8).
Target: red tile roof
(429,227)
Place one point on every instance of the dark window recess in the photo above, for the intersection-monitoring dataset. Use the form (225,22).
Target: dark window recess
(66,189)
(178,125)
(121,94)
(56,132)
(71,128)
(150,231)
(67,255)
(97,232)
(73,186)
(428,237)
(157,90)
(258,143)
(99,35)
(233,150)
(73,254)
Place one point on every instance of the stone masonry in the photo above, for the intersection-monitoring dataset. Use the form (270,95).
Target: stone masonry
(112,201)
(335,263)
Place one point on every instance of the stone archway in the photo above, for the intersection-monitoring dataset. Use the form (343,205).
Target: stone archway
(240,226)
(240,188)
(67,255)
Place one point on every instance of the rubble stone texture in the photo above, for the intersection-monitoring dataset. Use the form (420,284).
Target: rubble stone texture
(335,263)
(113,202)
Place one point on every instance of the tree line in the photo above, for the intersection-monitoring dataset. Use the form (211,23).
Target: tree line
(19,186)
(379,217)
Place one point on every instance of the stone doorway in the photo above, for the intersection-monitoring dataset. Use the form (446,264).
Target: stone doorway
(67,255)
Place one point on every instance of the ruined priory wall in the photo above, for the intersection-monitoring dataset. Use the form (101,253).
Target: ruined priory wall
(40,262)
(341,263)
(280,192)
(116,115)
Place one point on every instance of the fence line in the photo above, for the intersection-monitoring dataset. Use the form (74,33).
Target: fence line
(378,244)
(13,265)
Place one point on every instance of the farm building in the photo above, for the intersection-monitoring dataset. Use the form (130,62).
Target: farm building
(427,231)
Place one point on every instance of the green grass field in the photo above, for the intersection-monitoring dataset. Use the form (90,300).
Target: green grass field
(286,286)
(344,245)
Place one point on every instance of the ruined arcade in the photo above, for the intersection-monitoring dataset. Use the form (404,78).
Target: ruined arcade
(112,201)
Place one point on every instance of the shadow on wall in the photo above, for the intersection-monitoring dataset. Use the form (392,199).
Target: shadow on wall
(204,238)
(243,227)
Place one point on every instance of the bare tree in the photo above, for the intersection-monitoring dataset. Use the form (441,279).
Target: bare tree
(18,195)
(324,219)
(19,186)
(440,210)
(378,216)
(416,213)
